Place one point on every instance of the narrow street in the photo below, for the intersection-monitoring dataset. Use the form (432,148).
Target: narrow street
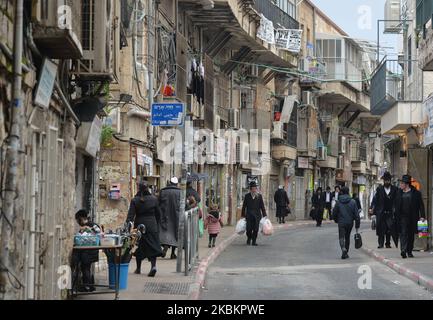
(302,263)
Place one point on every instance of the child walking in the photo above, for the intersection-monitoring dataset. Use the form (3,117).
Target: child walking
(213,224)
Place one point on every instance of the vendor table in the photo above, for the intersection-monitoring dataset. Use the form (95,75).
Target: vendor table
(117,250)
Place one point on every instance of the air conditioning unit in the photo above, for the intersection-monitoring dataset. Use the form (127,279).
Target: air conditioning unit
(322,154)
(53,29)
(242,153)
(342,145)
(340,162)
(307,98)
(97,39)
(393,12)
(234,118)
(278,132)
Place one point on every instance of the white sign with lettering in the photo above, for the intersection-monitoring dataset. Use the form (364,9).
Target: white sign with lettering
(289,39)
(266,31)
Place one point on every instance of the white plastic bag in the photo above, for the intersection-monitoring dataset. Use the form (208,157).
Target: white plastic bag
(266,227)
(241,226)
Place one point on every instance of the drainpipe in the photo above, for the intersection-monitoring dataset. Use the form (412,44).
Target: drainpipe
(12,150)
(32,236)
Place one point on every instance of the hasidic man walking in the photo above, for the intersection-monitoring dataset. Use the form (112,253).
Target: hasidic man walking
(382,207)
(253,210)
(409,209)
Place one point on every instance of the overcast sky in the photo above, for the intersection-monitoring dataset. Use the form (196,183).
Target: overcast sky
(359,19)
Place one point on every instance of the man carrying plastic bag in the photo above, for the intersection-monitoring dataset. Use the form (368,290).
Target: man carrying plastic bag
(253,210)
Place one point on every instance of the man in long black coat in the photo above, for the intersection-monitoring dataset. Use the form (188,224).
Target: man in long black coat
(318,206)
(409,209)
(382,207)
(253,210)
(282,202)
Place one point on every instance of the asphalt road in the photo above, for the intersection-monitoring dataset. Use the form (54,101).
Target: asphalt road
(303,263)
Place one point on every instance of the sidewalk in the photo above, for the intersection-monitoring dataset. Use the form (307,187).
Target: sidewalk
(418,269)
(169,285)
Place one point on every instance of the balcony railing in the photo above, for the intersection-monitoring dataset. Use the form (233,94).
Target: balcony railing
(342,70)
(279,18)
(395,81)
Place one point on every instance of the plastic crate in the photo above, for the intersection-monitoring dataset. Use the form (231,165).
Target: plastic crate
(86,241)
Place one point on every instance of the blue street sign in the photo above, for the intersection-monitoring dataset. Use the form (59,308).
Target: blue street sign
(168,114)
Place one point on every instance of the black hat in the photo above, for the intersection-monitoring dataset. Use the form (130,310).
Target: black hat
(406,179)
(387,176)
(253,184)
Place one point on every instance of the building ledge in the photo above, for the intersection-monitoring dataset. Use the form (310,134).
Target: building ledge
(57,43)
(330,162)
(401,117)
(283,152)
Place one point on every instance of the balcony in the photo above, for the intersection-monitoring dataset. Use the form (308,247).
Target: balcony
(395,81)
(236,25)
(283,152)
(278,17)
(343,70)
(330,162)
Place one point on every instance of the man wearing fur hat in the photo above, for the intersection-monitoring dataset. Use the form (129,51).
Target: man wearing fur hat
(382,207)
(253,210)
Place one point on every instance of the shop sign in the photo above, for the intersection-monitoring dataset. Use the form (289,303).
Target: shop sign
(140,160)
(46,82)
(303,163)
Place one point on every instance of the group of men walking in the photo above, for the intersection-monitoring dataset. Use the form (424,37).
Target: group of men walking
(397,212)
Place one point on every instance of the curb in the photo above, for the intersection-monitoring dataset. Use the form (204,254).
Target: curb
(200,275)
(416,277)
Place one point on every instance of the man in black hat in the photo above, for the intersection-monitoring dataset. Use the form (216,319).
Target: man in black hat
(382,207)
(409,209)
(253,210)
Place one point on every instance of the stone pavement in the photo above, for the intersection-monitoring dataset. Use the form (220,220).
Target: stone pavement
(169,285)
(418,269)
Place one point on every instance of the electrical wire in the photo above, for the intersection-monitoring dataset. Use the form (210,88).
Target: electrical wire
(297,72)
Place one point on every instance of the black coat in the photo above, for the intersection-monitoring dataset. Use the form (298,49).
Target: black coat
(146,211)
(169,202)
(417,209)
(384,222)
(139,210)
(281,199)
(346,212)
(253,207)
(318,202)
